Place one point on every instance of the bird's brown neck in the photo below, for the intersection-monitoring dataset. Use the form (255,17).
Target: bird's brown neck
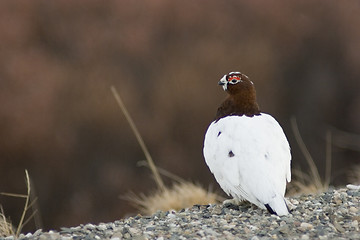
(239,103)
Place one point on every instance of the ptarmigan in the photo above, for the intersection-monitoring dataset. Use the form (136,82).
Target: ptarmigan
(247,150)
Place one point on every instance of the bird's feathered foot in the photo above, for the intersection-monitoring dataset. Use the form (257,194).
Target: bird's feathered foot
(235,203)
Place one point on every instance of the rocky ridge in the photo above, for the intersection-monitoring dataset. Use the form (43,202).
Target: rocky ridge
(334,214)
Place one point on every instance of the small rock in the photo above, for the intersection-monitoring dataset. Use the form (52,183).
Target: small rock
(216,211)
(150,228)
(230,226)
(353,187)
(171,215)
(284,229)
(228,217)
(338,226)
(49,236)
(291,204)
(127,235)
(337,199)
(38,232)
(134,231)
(353,209)
(354,193)
(355,224)
(305,226)
(102,227)
(297,223)
(90,226)
(246,230)
(253,228)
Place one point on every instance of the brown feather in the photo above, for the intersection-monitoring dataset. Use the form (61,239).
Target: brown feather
(241,100)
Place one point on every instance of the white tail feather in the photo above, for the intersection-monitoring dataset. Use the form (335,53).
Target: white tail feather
(278,205)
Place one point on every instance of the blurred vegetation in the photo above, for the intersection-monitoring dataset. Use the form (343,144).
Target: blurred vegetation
(59,120)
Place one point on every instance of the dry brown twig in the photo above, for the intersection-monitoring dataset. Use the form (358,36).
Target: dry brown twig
(141,142)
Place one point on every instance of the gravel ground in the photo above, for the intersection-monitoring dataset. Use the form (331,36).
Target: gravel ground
(331,215)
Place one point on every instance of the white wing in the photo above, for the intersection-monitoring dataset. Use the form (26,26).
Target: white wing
(250,158)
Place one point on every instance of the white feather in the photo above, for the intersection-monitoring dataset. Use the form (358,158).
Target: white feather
(260,167)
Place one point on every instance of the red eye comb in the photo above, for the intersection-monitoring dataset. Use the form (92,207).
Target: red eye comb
(236,77)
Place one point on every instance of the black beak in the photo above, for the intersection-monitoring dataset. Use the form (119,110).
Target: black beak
(221,83)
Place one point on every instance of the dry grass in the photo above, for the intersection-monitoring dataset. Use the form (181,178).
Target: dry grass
(181,195)
(310,183)
(140,140)
(303,184)
(6,228)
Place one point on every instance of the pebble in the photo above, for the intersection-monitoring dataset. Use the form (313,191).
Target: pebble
(305,237)
(330,215)
(355,224)
(305,226)
(353,187)
(353,209)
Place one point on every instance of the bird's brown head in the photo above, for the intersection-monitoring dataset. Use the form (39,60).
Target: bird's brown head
(242,99)
(235,82)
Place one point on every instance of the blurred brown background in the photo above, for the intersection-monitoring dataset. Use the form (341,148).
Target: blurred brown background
(59,120)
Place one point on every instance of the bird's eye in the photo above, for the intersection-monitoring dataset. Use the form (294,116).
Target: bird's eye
(234,79)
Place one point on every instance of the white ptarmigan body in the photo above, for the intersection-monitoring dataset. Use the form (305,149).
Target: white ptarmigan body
(247,151)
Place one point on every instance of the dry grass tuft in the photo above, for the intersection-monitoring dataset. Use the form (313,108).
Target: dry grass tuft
(181,195)
(304,184)
(5,225)
(309,183)
(6,228)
